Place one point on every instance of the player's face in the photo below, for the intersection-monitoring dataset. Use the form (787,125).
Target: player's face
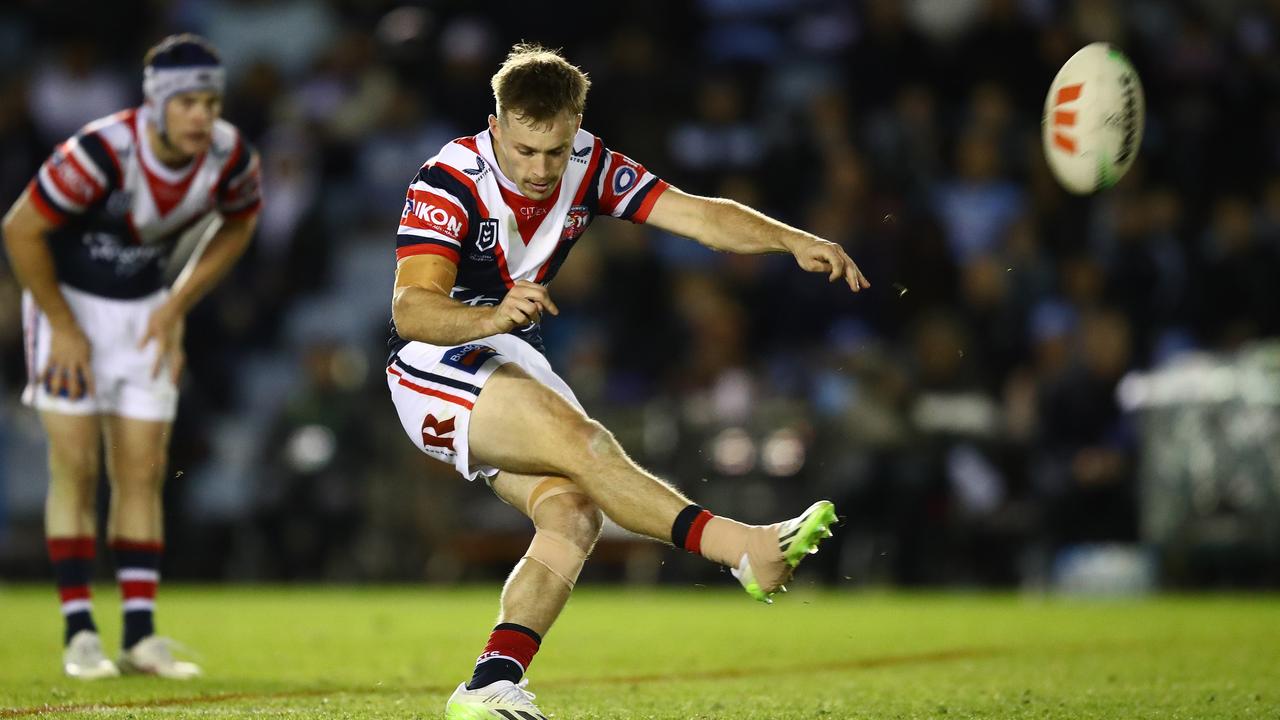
(189,120)
(534,158)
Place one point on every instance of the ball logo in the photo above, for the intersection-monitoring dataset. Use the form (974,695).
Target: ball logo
(1063,119)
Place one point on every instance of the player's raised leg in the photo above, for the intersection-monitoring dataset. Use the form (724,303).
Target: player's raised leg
(521,425)
(137,458)
(70,519)
(566,526)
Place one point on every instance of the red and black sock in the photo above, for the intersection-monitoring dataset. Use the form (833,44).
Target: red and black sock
(507,656)
(138,572)
(686,531)
(72,560)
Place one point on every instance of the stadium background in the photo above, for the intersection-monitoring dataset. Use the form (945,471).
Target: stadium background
(963,414)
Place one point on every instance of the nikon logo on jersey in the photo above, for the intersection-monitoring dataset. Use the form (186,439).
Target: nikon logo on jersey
(432,212)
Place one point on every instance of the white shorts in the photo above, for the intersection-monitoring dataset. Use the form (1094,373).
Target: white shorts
(121,372)
(434,389)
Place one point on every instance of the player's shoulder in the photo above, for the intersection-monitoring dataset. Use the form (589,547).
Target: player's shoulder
(228,141)
(462,158)
(585,146)
(117,131)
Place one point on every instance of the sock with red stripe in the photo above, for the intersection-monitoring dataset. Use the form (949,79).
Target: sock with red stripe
(72,560)
(711,536)
(507,656)
(138,572)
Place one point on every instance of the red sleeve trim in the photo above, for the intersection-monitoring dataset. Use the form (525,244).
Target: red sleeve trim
(42,206)
(642,213)
(244,212)
(428,249)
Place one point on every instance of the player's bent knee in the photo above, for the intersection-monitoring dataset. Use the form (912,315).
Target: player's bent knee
(559,505)
(587,444)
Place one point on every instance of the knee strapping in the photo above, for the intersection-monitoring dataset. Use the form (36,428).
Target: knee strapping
(549,548)
(558,554)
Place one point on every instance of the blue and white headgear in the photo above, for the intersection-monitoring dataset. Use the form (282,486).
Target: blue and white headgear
(180,63)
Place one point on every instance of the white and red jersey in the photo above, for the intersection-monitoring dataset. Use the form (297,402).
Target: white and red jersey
(461,207)
(119,211)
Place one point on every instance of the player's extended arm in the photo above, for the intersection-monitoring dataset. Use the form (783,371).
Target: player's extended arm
(25,230)
(732,227)
(423,310)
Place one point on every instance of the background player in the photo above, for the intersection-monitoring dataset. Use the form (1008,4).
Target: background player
(89,240)
(486,225)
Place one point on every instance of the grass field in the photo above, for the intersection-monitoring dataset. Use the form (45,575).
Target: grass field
(698,653)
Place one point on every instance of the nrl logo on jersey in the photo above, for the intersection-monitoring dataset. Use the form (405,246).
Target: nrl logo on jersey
(487,238)
(576,222)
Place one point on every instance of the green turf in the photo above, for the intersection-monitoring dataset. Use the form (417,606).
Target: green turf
(700,653)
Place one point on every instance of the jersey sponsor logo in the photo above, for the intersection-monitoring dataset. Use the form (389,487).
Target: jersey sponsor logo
(128,259)
(580,155)
(435,432)
(468,358)
(488,235)
(478,170)
(432,213)
(623,179)
(532,212)
(575,222)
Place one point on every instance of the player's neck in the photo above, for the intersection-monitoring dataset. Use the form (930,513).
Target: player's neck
(168,155)
(501,160)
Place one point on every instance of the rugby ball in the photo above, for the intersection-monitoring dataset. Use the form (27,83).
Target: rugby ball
(1093,119)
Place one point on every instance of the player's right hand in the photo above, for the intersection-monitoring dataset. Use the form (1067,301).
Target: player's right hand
(523,305)
(68,372)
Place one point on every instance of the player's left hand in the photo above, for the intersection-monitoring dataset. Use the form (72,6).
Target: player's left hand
(823,256)
(165,327)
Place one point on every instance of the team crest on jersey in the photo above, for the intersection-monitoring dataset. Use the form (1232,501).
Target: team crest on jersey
(575,223)
(488,235)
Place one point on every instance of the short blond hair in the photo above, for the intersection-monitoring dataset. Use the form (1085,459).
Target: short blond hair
(535,84)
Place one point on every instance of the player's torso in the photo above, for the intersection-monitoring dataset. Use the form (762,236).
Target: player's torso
(119,246)
(517,238)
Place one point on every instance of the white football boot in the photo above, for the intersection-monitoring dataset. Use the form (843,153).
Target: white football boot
(501,700)
(83,658)
(774,551)
(153,655)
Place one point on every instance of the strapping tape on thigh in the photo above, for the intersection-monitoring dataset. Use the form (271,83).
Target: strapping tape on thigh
(546,489)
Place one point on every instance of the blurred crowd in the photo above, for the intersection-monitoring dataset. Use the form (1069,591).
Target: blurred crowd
(962,413)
